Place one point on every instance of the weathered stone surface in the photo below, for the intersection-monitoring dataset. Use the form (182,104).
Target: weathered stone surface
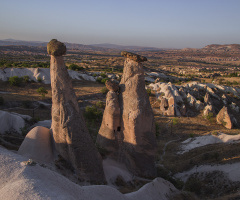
(199,105)
(112,85)
(191,100)
(56,48)
(183,110)
(234,107)
(223,117)
(207,110)
(70,133)
(207,99)
(171,108)
(163,105)
(137,124)
(110,130)
(37,145)
(133,56)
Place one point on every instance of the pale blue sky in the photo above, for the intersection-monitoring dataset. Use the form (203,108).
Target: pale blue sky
(156,23)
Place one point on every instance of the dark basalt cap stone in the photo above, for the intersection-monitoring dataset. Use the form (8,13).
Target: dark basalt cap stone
(133,56)
(56,48)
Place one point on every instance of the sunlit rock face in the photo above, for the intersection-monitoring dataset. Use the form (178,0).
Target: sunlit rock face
(128,127)
(70,133)
(137,122)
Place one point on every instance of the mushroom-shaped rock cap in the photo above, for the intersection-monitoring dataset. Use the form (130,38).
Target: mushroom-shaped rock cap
(133,56)
(56,48)
(112,85)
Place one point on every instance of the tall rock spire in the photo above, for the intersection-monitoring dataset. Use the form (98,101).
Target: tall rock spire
(129,132)
(137,123)
(70,133)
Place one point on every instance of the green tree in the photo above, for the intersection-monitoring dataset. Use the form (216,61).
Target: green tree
(42,91)
(15,81)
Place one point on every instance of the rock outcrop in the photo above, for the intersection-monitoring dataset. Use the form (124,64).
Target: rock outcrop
(207,99)
(37,145)
(207,110)
(70,133)
(128,127)
(223,117)
(110,130)
(137,123)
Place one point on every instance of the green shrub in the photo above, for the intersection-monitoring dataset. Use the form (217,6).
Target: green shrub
(91,113)
(149,92)
(39,79)
(26,79)
(210,117)
(175,121)
(99,79)
(15,81)
(104,90)
(214,133)
(42,91)
(103,75)
(75,67)
(100,104)
(104,80)
(1,100)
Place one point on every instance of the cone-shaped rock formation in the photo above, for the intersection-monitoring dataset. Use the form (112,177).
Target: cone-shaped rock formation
(133,128)
(70,133)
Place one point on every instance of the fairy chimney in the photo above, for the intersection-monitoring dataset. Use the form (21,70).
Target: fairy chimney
(70,133)
(137,119)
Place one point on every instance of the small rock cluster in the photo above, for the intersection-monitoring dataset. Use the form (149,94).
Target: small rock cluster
(193,98)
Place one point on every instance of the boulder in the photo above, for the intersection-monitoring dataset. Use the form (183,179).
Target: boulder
(70,133)
(223,117)
(11,122)
(37,145)
(207,110)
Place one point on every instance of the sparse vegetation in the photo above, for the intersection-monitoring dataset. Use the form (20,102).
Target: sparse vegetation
(175,121)
(91,113)
(15,81)
(149,92)
(42,91)
(39,79)
(75,67)
(26,79)
(100,104)
(104,90)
